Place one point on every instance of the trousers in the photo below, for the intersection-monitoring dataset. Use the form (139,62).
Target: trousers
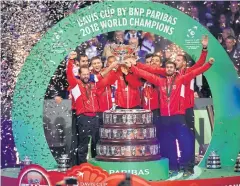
(190,123)
(171,130)
(87,126)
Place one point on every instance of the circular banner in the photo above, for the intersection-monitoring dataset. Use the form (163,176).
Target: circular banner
(99,18)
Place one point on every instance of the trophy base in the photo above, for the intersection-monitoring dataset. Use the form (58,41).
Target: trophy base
(149,170)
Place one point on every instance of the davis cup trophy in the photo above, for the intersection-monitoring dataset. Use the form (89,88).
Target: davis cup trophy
(120,51)
(213,161)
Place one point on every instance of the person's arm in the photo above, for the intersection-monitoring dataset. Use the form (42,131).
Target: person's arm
(72,80)
(108,80)
(203,56)
(200,61)
(189,76)
(146,75)
(108,69)
(154,70)
(132,79)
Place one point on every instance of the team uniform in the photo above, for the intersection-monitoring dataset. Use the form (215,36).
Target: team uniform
(150,100)
(188,88)
(87,107)
(172,109)
(127,90)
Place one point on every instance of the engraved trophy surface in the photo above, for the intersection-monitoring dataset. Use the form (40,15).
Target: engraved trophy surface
(124,118)
(122,151)
(125,133)
(143,118)
(114,118)
(113,150)
(151,132)
(144,133)
(135,133)
(120,51)
(213,161)
(63,163)
(134,118)
(133,150)
(129,119)
(151,150)
(128,135)
(143,150)
(114,133)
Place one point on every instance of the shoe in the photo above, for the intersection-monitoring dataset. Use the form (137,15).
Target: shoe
(187,173)
(173,173)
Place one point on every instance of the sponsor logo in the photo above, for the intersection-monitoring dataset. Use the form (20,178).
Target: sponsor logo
(135,172)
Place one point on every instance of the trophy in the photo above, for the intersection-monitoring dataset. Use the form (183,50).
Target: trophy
(114,133)
(104,150)
(102,132)
(129,119)
(143,150)
(213,161)
(143,118)
(124,118)
(122,151)
(108,151)
(110,118)
(237,165)
(63,163)
(124,133)
(144,133)
(120,51)
(134,118)
(151,150)
(107,119)
(133,151)
(27,161)
(135,133)
(114,118)
(151,132)
(112,150)
(106,133)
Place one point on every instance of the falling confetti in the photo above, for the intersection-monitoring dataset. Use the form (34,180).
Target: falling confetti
(23,24)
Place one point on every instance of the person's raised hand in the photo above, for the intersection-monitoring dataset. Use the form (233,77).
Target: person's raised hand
(72,55)
(128,63)
(124,69)
(113,65)
(211,60)
(205,41)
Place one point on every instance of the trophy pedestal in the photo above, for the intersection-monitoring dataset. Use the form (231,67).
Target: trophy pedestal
(149,170)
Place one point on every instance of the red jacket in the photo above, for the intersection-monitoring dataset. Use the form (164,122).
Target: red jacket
(150,97)
(188,87)
(175,104)
(126,96)
(104,94)
(84,95)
